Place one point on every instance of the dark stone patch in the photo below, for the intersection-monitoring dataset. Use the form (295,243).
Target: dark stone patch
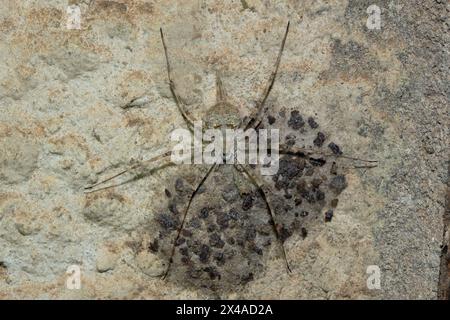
(312,123)
(219,258)
(204,213)
(212,272)
(290,140)
(211,228)
(320,195)
(250,233)
(319,140)
(338,184)
(180,241)
(168,194)
(304,213)
(222,220)
(186,233)
(284,234)
(296,121)
(179,185)
(315,183)
(247,278)
(216,241)
(231,241)
(290,168)
(335,148)
(194,223)
(334,203)
(167,222)
(184,251)
(304,233)
(271,119)
(233,214)
(247,203)
(317,162)
(173,208)
(204,254)
(329,215)
(308,196)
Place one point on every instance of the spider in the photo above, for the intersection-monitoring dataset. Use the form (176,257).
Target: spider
(224,115)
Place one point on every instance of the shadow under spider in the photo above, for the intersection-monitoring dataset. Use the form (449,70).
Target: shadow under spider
(302,169)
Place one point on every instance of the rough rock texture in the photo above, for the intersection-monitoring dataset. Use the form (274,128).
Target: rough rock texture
(381,94)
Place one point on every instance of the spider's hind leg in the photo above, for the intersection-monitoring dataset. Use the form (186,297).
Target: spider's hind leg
(164,157)
(258,183)
(181,226)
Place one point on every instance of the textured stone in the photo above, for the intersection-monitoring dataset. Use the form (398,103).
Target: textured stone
(378,94)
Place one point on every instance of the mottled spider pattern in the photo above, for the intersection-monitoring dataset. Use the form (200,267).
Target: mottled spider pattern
(217,228)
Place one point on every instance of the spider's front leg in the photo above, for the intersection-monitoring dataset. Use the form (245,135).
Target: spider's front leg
(254,120)
(163,159)
(257,181)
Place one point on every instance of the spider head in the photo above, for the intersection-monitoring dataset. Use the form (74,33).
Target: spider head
(222,115)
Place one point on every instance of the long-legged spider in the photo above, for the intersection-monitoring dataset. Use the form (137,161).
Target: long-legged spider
(224,115)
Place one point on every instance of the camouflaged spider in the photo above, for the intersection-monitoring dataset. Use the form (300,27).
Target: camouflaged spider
(225,115)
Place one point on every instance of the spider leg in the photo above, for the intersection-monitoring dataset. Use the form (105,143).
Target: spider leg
(307,153)
(221,94)
(181,107)
(256,180)
(255,118)
(164,156)
(194,193)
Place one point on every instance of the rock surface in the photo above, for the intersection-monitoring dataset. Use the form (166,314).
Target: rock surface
(381,94)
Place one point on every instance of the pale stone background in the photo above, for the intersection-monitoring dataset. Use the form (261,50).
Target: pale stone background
(381,94)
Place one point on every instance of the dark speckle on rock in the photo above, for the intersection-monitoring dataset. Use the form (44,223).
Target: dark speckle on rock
(233,214)
(173,208)
(338,184)
(167,222)
(205,252)
(290,140)
(204,212)
(296,121)
(186,233)
(304,233)
(271,119)
(216,241)
(328,215)
(312,123)
(284,234)
(247,203)
(194,223)
(319,140)
(290,168)
(335,148)
(179,185)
